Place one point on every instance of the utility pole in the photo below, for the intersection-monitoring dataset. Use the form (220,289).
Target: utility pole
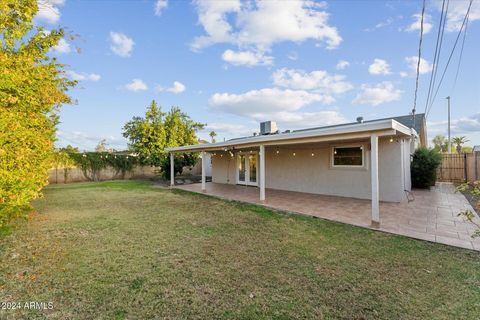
(449,139)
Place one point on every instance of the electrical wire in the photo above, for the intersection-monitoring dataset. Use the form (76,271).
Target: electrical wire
(460,57)
(419,58)
(450,56)
(438,44)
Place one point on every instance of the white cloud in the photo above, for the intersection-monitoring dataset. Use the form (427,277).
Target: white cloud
(342,64)
(229,129)
(62,47)
(86,141)
(379,67)
(456,13)
(293,56)
(425,66)
(282,106)
(247,58)
(257,26)
(403,74)
(176,88)
(258,103)
(136,85)
(295,120)
(83,76)
(381,24)
(318,80)
(462,125)
(121,44)
(48,10)
(416,24)
(160,5)
(377,94)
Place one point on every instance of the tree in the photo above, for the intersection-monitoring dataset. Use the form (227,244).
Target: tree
(180,130)
(440,143)
(459,141)
(101,146)
(33,87)
(212,135)
(149,136)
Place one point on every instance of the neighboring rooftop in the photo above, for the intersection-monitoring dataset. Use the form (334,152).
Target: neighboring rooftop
(476,148)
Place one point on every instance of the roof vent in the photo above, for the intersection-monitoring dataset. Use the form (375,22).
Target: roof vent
(268,127)
(360,119)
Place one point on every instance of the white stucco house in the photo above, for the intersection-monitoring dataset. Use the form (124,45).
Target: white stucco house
(364,159)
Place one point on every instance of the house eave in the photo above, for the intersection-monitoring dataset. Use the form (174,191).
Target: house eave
(352,131)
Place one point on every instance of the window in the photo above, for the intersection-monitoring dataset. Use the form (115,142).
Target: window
(348,156)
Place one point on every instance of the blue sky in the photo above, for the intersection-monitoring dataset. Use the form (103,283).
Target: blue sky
(232,64)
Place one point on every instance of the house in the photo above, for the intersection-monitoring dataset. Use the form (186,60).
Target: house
(365,160)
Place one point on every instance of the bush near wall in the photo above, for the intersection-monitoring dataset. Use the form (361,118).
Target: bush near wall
(91,163)
(424,167)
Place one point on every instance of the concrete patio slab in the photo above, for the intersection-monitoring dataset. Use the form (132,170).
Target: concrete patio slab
(432,216)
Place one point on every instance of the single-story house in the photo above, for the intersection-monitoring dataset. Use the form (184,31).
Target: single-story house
(364,159)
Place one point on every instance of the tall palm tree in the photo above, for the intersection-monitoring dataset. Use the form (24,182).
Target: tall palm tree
(212,135)
(459,141)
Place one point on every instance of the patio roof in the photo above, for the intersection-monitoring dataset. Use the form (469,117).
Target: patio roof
(351,130)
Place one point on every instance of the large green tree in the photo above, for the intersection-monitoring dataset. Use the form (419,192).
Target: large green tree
(32,89)
(149,136)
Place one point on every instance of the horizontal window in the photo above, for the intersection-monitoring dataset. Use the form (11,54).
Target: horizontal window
(348,156)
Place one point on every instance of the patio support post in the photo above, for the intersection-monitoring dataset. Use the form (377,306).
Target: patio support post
(374,172)
(172,170)
(203,171)
(262,155)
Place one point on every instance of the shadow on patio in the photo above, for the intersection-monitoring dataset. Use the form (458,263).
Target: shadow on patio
(432,216)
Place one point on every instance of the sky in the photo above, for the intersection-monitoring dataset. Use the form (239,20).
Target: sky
(233,64)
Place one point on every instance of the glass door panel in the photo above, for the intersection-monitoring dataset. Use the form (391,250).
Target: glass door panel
(252,169)
(242,168)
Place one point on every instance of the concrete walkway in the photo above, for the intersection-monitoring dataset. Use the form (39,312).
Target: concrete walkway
(432,216)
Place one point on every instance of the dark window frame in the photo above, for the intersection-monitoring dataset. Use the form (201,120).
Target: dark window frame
(362,157)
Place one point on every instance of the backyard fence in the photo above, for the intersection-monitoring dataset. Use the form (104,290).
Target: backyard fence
(459,167)
(68,175)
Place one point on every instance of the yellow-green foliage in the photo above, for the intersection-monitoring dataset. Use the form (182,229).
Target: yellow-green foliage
(32,88)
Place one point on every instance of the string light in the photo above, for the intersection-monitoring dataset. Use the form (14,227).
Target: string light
(278,151)
(313,154)
(391,139)
(294,154)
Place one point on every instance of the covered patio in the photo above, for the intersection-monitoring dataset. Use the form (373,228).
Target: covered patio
(432,216)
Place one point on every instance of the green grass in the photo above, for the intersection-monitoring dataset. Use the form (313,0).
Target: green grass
(128,250)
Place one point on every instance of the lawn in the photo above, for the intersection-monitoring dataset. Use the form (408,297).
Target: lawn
(129,250)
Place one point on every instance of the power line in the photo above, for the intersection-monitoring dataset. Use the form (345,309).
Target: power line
(450,56)
(438,47)
(418,62)
(461,55)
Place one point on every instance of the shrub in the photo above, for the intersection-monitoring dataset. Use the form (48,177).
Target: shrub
(424,167)
(91,163)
